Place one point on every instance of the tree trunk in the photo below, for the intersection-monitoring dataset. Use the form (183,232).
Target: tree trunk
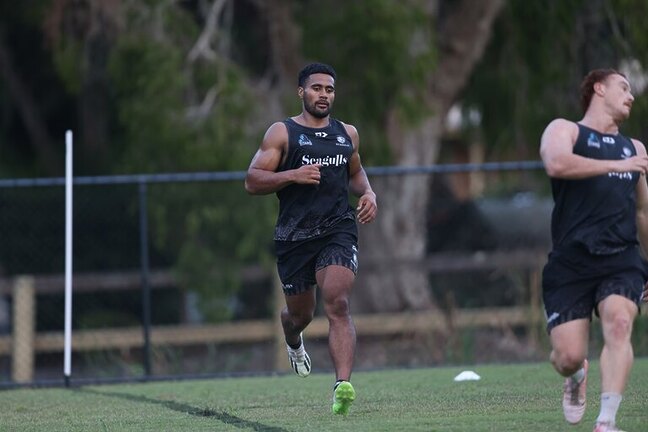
(399,236)
(285,43)
(30,113)
(394,244)
(284,40)
(94,100)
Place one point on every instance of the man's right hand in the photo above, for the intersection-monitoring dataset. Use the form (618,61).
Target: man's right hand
(637,163)
(308,174)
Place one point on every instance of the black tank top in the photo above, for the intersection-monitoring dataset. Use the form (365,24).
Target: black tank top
(597,213)
(307,211)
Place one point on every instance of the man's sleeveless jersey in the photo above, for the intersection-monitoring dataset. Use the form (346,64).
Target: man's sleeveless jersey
(597,212)
(307,211)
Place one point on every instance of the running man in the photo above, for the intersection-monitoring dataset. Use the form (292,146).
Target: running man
(599,223)
(311,162)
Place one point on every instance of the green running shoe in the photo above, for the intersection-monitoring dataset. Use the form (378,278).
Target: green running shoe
(343,397)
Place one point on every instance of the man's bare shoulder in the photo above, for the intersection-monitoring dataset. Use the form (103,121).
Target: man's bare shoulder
(276,132)
(559,131)
(277,127)
(275,138)
(639,146)
(562,125)
(350,129)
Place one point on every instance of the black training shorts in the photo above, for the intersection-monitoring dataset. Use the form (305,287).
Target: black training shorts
(575,281)
(298,261)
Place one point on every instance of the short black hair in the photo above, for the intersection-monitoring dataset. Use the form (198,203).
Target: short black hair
(314,68)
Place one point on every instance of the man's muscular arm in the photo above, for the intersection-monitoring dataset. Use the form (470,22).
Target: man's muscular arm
(556,150)
(262,177)
(359,183)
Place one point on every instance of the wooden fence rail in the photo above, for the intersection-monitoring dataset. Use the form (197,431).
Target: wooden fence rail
(264,330)
(24,342)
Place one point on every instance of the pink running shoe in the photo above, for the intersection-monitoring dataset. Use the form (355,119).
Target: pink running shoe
(606,427)
(574,397)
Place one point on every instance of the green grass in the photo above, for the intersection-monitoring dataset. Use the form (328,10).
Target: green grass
(507,398)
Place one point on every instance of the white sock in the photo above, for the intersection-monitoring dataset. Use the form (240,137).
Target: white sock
(609,405)
(578,375)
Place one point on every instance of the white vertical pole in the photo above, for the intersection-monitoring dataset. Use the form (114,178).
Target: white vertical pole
(67,362)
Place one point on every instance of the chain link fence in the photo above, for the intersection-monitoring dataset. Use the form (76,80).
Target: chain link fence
(171,279)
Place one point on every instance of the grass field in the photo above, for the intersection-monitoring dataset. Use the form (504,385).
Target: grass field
(507,398)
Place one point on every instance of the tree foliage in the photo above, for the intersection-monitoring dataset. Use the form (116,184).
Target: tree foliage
(176,101)
(209,231)
(539,53)
(164,86)
(371,44)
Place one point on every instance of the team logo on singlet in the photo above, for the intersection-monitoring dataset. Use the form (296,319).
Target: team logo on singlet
(626,153)
(593,141)
(303,140)
(341,141)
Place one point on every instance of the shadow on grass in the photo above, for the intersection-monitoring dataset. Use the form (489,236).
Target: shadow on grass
(191,410)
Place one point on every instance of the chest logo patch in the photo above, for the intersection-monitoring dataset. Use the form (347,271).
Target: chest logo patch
(303,140)
(593,141)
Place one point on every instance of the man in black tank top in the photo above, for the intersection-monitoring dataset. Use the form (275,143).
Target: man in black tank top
(599,224)
(311,162)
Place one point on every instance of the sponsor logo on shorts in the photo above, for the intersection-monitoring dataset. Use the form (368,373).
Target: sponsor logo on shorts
(554,316)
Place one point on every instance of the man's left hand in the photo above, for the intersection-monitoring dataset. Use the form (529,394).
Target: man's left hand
(367,208)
